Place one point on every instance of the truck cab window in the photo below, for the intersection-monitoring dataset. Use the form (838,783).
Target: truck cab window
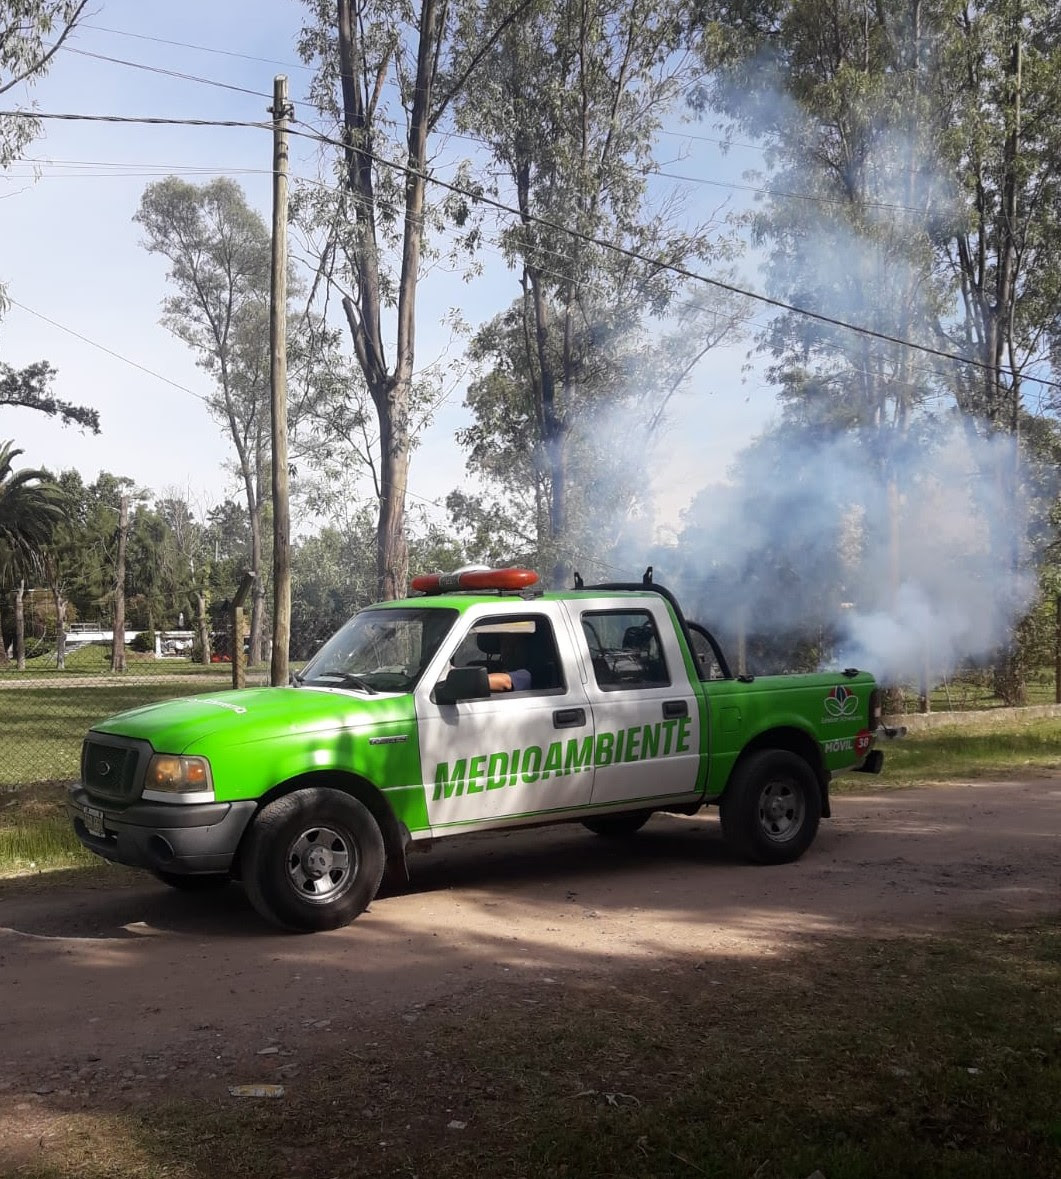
(625,650)
(522,645)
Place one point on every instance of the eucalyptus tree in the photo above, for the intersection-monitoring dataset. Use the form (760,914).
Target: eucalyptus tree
(611,424)
(569,109)
(31,33)
(387,76)
(913,152)
(219,253)
(30,388)
(841,98)
(923,141)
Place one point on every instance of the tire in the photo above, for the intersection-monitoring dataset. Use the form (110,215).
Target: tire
(313,860)
(618,826)
(200,882)
(772,807)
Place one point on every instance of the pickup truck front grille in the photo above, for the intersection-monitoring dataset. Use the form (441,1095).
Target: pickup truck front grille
(111,768)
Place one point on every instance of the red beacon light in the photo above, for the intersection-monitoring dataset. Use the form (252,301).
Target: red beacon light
(475,579)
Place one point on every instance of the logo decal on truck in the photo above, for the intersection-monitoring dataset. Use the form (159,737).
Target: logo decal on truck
(840,703)
(859,744)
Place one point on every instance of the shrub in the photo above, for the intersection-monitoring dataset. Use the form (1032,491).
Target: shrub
(144,642)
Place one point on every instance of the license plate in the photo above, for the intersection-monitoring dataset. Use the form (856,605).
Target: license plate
(93,820)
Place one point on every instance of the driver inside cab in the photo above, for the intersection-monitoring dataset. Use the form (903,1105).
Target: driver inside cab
(515,677)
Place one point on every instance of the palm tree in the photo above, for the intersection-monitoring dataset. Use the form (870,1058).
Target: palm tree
(31,504)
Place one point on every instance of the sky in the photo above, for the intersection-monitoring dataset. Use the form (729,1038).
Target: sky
(86,296)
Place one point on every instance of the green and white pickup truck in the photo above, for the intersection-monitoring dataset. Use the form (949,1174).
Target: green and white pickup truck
(618,708)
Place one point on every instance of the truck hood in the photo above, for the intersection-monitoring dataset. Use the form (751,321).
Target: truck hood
(239,717)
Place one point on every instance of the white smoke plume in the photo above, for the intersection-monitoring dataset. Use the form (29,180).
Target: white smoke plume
(900,564)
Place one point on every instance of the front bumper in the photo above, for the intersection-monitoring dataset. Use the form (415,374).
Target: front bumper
(184,838)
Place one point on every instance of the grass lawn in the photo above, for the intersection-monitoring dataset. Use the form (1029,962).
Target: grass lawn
(95,659)
(971,692)
(859,1059)
(952,753)
(44,727)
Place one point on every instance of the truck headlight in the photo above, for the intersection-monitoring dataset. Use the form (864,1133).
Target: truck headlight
(168,774)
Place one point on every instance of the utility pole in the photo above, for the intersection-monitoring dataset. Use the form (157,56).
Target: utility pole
(281,111)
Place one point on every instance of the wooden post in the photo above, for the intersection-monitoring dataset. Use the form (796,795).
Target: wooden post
(239,662)
(281,111)
(1057,653)
(118,634)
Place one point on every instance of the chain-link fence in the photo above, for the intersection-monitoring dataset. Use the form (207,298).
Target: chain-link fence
(45,712)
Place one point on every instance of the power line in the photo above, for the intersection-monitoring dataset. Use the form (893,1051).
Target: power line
(78,170)
(141,120)
(577,234)
(789,196)
(778,193)
(199,48)
(139,65)
(711,139)
(809,197)
(291,65)
(109,351)
(672,267)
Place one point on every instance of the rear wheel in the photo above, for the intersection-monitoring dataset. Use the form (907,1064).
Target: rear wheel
(314,860)
(772,807)
(618,826)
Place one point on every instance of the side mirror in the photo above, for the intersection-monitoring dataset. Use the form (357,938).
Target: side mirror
(463,683)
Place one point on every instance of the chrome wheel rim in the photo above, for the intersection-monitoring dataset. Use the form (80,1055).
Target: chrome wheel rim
(322,864)
(782,809)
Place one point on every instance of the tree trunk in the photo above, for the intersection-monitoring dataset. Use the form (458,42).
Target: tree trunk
(60,628)
(390,391)
(392,550)
(202,624)
(118,640)
(20,625)
(258,593)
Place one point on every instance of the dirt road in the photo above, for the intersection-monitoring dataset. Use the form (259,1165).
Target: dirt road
(129,989)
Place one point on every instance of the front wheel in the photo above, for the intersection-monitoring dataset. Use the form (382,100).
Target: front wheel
(314,860)
(772,807)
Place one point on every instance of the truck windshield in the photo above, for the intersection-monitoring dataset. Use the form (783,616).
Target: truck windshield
(380,650)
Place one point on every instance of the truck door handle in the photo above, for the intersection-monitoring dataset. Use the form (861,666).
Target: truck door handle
(569,718)
(673,708)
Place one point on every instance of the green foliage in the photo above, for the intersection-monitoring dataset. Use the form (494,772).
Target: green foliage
(28,388)
(932,146)
(31,506)
(569,105)
(384,77)
(31,31)
(333,574)
(143,642)
(219,252)
(924,144)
